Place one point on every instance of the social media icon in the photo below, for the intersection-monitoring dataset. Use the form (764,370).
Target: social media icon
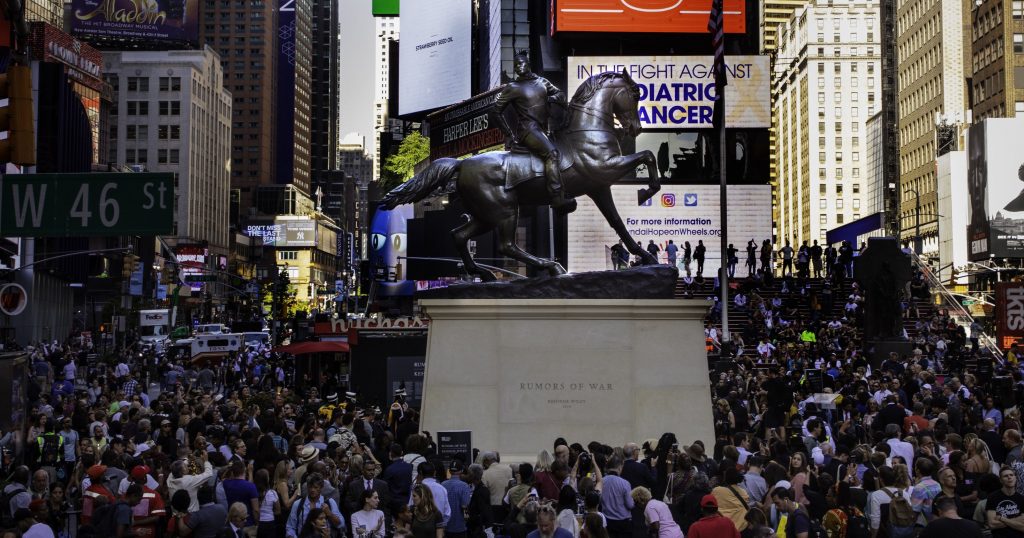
(646,203)
(690,200)
(668,200)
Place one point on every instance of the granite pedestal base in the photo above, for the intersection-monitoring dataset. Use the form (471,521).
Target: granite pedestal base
(519,373)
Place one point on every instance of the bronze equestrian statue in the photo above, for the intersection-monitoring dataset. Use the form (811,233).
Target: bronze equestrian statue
(586,154)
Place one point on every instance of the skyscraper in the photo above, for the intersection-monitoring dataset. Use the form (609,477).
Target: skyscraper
(243,31)
(325,85)
(387,31)
(997,59)
(931,85)
(825,92)
(294,79)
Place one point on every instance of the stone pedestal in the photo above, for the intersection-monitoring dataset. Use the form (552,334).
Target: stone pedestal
(521,372)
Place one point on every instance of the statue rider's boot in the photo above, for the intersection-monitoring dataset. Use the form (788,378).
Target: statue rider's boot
(559,202)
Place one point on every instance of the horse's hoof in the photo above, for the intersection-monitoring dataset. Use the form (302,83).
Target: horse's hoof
(487,276)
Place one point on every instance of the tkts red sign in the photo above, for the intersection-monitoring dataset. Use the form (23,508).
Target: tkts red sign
(1009,312)
(643,16)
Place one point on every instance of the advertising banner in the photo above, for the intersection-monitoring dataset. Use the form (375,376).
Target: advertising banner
(996,185)
(679,213)
(1009,313)
(466,128)
(434,54)
(644,16)
(678,92)
(192,264)
(143,20)
(285,90)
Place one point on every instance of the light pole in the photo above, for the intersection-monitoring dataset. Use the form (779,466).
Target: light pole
(917,221)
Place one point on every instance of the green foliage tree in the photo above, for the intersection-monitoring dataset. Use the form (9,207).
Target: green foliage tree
(399,168)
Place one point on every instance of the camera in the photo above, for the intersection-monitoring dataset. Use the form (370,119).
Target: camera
(584,463)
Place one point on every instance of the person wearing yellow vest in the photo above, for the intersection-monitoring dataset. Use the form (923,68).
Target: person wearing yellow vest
(794,522)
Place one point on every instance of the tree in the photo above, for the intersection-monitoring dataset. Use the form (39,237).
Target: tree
(400,167)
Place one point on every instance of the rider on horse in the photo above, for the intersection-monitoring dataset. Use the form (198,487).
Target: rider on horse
(529,95)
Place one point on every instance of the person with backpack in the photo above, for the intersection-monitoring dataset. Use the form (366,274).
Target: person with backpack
(115,520)
(15,496)
(846,520)
(890,507)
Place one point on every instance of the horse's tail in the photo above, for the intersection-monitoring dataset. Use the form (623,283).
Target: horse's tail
(423,184)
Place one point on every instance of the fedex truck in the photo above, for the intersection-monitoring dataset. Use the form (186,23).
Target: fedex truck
(154,326)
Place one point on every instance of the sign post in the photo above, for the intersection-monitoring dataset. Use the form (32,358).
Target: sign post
(79,205)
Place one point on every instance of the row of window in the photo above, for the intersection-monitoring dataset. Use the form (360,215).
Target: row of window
(141,108)
(141,84)
(141,156)
(823,203)
(141,132)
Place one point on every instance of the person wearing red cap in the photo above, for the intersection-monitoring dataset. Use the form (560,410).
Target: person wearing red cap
(96,489)
(713,524)
(150,509)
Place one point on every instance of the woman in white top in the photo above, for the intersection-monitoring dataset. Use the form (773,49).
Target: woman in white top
(567,507)
(368,522)
(270,505)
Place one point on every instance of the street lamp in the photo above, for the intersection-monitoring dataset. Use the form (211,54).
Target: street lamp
(917,221)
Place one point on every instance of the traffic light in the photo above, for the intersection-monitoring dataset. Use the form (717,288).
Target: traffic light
(17,136)
(129,264)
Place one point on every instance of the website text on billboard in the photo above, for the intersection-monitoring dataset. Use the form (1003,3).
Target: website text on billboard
(161,20)
(645,16)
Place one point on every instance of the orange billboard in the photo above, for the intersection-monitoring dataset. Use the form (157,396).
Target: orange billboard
(644,16)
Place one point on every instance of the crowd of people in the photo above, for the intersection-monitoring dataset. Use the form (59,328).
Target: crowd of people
(811,439)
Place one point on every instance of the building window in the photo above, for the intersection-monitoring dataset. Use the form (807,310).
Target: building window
(175,156)
(170,84)
(170,108)
(161,156)
(1018,9)
(822,189)
(1018,42)
(839,189)
(839,203)
(288,254)
(822,203)
(130,132)
(839,218)
(1019,107)
(138,84)
(138,108)
(856,203)
(856,186)
(170,132)
(823,219)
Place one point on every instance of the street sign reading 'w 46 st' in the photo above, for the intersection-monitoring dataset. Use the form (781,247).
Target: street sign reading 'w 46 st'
(71,205)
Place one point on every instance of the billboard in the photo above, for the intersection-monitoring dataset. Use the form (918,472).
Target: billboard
(465,128)
(995,175)
(284,153)
(679,213)
(678,92)
(388,250)
(143,20)
(644,16)
(434,53)
(1009,302)
(285,233)
(192,261)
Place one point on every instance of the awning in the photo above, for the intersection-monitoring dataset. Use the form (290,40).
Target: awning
(306,348)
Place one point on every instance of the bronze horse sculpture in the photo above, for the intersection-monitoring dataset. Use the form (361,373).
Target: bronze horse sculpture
(594,160)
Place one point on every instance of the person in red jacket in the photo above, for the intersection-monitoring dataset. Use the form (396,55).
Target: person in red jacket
(713,524)
(91,498)
(150,509)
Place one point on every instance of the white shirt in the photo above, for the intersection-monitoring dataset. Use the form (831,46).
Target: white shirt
(121,370)
(875,501)
(267,506)
(904,450)
(39,530)
(372,520)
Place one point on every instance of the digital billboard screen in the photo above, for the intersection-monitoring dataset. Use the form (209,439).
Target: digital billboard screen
(679,213)
(143,20)
(644,16)
(996,185)
(678,92)
(435,54)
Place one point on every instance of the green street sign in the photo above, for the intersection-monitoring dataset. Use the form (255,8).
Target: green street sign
(72,205)
(967,302)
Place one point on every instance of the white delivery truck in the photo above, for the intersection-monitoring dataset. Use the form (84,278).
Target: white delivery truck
(154,326)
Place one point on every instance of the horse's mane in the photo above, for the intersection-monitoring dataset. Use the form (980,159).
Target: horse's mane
(590,86)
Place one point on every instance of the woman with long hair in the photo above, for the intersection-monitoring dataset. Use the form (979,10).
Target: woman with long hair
(800,475)
(316,525)
(368,522)
(566,508)
(593,526)
(286,493)
(979,459)
(966,483)
(544,461)
(427,521)
(270,505)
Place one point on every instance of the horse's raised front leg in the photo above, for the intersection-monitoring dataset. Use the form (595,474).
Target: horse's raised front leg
(466,231)
(603,200)
(507,245)
(653,177)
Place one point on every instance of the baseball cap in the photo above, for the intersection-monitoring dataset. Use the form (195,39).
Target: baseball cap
(708,501)
(96,471)
(139,472)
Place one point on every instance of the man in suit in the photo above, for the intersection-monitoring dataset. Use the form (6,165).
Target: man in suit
(398,476)
(354,492)
(634,472)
